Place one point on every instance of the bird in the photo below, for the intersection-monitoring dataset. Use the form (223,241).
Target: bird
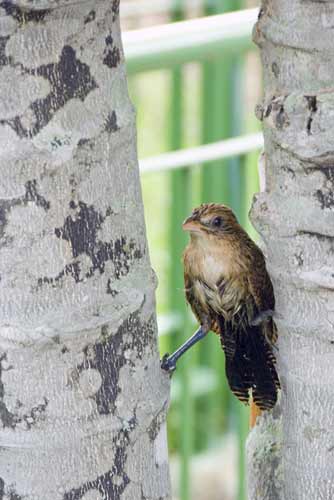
(230,293)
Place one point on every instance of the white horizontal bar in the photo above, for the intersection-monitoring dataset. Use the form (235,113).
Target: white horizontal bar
(201,154)
(185,34)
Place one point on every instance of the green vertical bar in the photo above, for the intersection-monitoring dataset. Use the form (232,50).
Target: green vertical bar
(224,182)
(180,206)
(179,202)
(216,187)
(179,210)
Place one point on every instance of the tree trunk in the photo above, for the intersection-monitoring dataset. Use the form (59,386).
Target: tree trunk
(82,396)
(295,216)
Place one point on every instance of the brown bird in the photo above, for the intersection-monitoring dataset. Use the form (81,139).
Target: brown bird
(230,293)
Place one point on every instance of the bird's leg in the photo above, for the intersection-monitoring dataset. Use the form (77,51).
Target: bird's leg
(168,363)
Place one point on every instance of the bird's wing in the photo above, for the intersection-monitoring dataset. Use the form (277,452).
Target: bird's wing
(250,362)
(262,291)
(260,284)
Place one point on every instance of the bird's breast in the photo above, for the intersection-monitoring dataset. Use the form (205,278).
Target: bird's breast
(207,263)
(219,283)
(213,268)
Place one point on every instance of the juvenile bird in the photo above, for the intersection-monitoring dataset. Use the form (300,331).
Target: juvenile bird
(230,293)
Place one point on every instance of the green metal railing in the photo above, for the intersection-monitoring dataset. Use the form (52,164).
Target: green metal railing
(180,183)
(222,118)
(199,415)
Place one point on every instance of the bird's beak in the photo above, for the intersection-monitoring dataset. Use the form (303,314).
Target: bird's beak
(191,225)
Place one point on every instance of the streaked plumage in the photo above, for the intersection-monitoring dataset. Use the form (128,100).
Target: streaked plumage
(230,292)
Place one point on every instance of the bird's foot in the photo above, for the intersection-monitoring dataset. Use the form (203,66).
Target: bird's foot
(168,363)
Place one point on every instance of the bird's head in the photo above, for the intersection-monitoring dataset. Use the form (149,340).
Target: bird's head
(212,219)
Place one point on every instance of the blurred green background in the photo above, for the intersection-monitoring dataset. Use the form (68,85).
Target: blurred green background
(190,105)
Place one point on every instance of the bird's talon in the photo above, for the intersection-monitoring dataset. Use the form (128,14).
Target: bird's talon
(166,364)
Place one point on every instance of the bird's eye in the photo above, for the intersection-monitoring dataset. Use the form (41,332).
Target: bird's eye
(217,222)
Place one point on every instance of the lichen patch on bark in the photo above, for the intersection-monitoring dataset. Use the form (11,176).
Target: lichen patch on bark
(8,419)
(23,16)
(111,484)
(81,230)
(31,195)
(111,123)
(69,78)
(4,59)
(8,492)
(112,55)
(11,420)
(107,357)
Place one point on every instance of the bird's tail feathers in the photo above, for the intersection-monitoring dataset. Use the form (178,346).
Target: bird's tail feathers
(250,365)
(265,381)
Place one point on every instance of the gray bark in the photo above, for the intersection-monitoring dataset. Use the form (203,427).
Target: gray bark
(82,396)
(295,216)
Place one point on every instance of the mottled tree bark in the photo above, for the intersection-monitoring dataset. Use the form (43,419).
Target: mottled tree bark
(82,396)
(295,216)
